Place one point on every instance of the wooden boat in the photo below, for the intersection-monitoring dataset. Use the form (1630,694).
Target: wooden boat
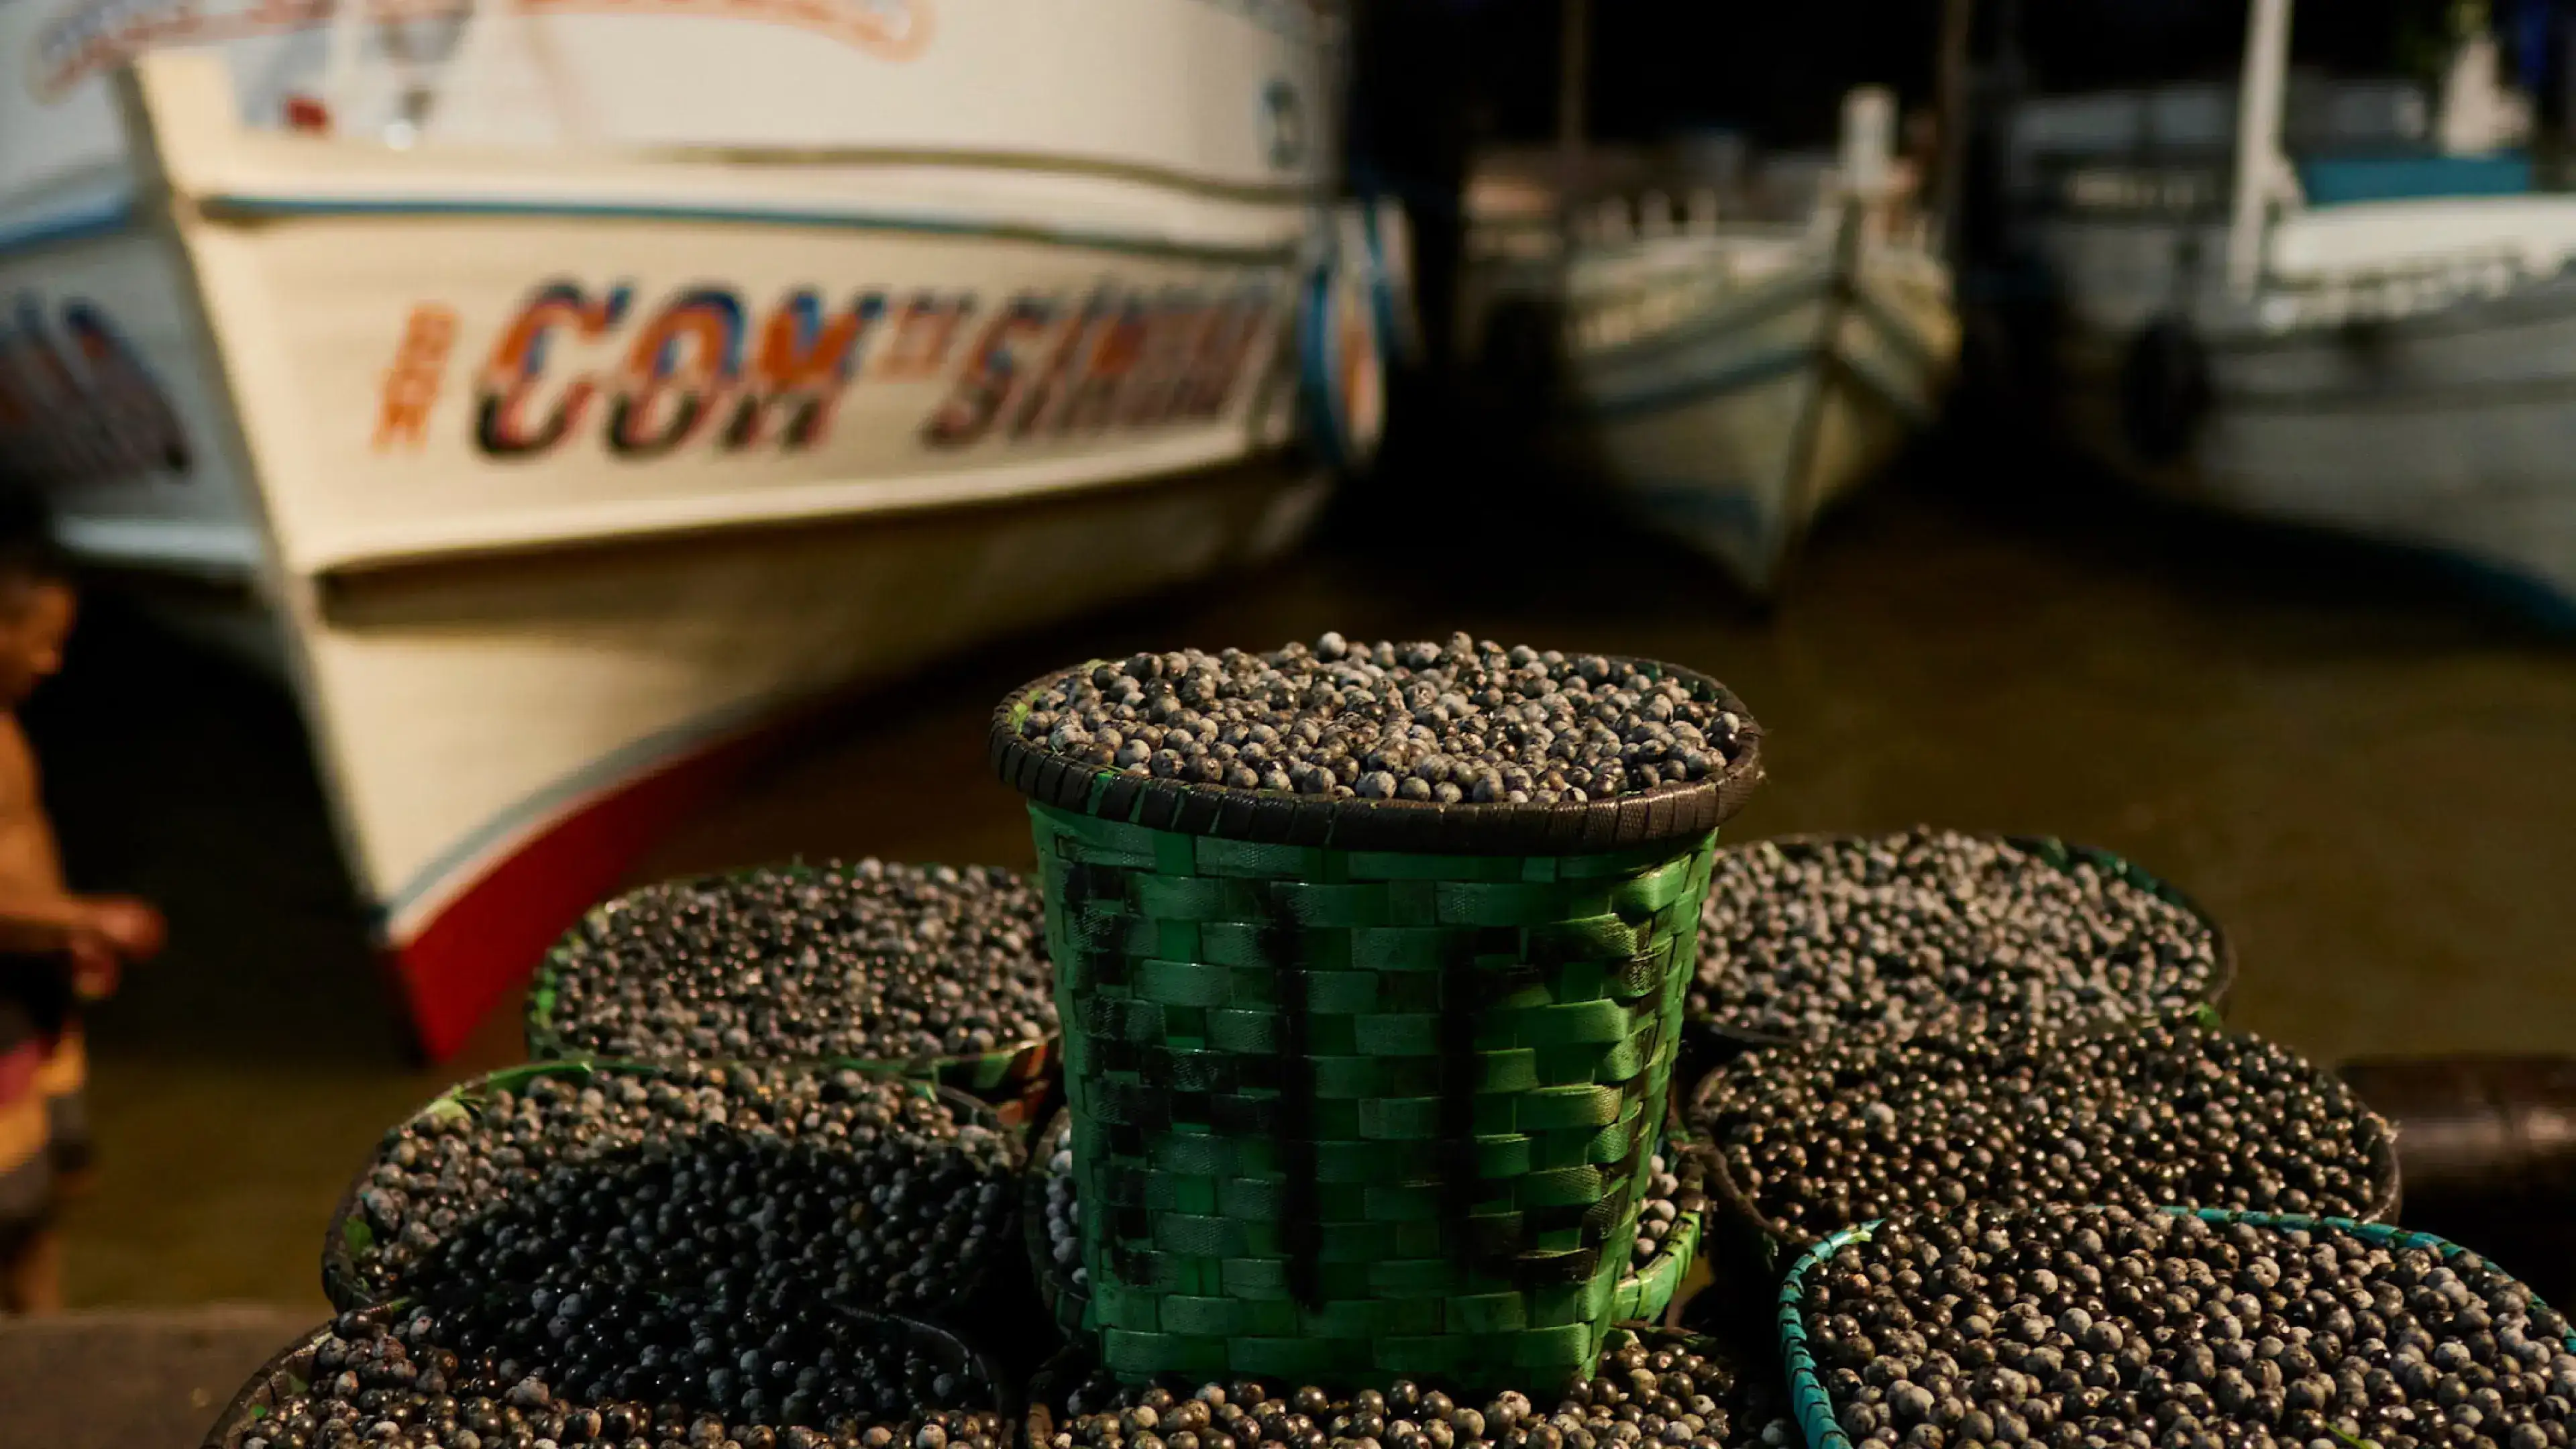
(561,394)
(1727,365)
(2378,339)
(1735,380)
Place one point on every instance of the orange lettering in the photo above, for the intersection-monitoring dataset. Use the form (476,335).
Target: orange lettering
(1047,394)
(1162,370)
(803,362)
(1117,348)
(992,376)
(918,346)
(412,384)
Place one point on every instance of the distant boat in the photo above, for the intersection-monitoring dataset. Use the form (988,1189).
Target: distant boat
(1737,380)
(2379,339)
(1728,375)
(562,394)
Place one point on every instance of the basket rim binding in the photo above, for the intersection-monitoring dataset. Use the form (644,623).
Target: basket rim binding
(340,1280)
(2057,851)
(1664,813)
(1775,1236)
(1678,1145)
(1813,1407)
(544,1043)
(246,1408)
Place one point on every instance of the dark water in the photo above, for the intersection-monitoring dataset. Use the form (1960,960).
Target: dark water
(2367,775)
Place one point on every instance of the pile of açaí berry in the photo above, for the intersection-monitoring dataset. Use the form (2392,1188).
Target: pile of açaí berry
(1974,1069)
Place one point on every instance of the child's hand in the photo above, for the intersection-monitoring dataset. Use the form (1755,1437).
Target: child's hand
(95,968)
(130,929)
(118,929)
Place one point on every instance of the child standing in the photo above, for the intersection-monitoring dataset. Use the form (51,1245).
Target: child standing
(56,949)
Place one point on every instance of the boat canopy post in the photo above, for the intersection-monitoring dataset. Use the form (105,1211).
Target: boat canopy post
(341,44)
(1950,124)
(1573,65)
(1868,158)
(2258,139)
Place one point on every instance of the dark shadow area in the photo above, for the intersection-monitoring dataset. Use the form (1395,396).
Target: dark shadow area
(236,1082)
(162,756)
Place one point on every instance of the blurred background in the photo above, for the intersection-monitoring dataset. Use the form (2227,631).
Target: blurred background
(1936,420)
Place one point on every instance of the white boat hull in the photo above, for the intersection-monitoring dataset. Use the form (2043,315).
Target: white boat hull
(509,734)
(2400,368)
(1733,429)
(2445,429)
(558,482)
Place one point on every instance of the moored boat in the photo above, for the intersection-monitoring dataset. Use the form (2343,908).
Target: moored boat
(2331,303)
(563,396)
(1735,380)
(1727,355)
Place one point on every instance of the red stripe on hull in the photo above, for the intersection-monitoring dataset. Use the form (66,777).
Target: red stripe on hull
(489,939)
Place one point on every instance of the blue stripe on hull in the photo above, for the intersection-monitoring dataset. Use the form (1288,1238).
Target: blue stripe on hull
(1725,519)
(1682,392)
(1732,510)
(257,207)
(89,222)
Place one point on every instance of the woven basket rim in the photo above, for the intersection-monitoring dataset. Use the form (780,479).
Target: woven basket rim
(1648,817)
(1776,1236)
(341,1283)
(229,1426)
(2057,851)
(236,1415)
(537,1032)
(1813,1406)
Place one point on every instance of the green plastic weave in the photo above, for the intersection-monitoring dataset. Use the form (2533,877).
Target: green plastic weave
(1642,1296)
(1348,1114)
(1647,1292)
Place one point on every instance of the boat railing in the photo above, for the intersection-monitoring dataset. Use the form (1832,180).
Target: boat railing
(1651,215)
(2383,293)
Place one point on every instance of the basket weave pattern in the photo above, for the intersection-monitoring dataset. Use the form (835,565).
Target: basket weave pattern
(1344,1113)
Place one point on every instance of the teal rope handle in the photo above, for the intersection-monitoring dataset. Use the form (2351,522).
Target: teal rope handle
(1814,1407)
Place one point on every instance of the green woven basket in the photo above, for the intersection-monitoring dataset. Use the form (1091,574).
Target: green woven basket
(1364,1088)
(1650,1288)
(1737,1228)
(1641,1297)
(288,1375)
(1016,1079)
(349,1238)
(1708,1044)
(1067,1302)
(1813,1405)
